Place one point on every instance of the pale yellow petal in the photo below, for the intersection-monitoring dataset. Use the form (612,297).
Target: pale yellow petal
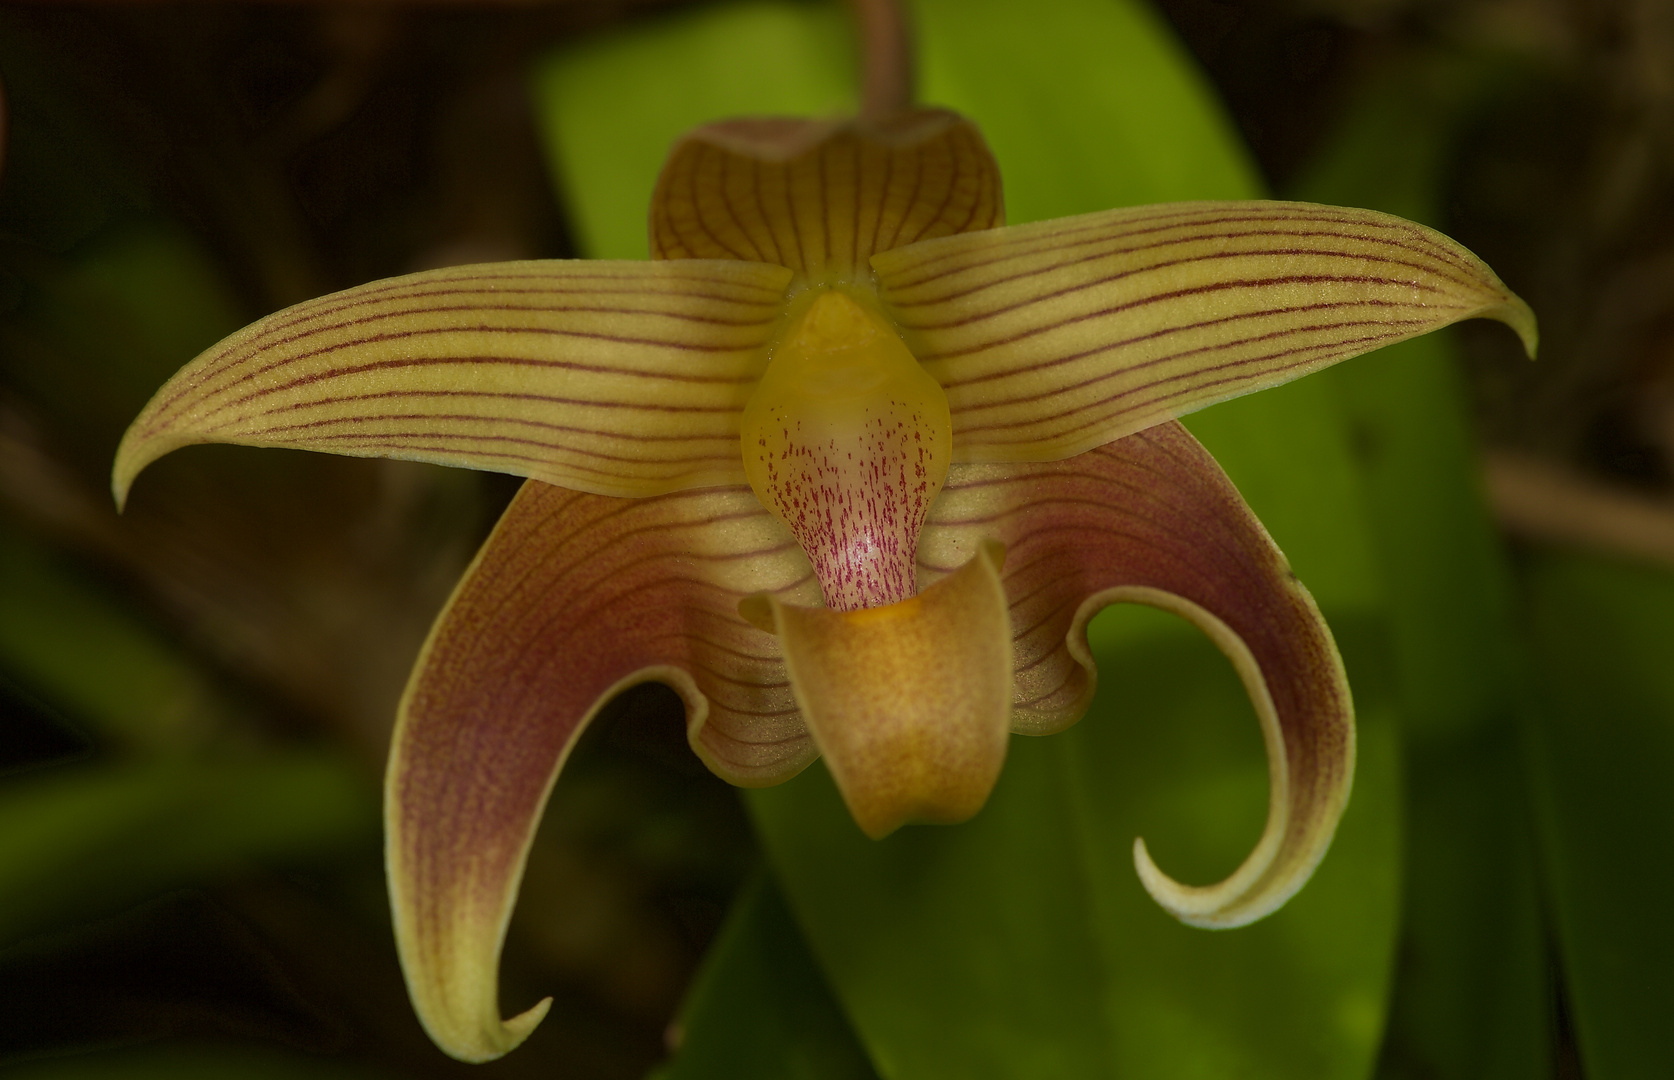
(618,378)
(1056,337)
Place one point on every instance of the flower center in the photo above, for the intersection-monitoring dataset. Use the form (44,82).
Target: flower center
(847,440)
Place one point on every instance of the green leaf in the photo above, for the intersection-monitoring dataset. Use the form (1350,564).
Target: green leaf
(1066,88)
(1472,995)
(1470,998)
(1602,757)
(77,842)
(760,1006)
(611,107)
(72,645)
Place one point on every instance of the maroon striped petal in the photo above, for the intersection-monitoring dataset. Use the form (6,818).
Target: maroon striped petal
(1151,519)
(619,378)
(821,196)
(1053,338)
(574,598)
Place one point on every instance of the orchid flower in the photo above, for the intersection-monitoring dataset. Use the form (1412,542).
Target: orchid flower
(849,465)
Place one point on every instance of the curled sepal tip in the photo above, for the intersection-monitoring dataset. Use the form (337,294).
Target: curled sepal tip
(1302,812)
(1152,519)
(574,598)
(910,703)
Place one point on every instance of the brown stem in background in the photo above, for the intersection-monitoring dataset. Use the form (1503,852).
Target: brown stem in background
(1551,503)
(886,64)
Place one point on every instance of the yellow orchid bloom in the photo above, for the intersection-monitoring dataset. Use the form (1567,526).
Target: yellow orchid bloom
(850,466)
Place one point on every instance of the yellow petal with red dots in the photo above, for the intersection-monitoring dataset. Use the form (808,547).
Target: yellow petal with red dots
(847,441)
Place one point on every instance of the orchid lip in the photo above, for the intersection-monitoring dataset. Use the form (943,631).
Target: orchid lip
(909,702)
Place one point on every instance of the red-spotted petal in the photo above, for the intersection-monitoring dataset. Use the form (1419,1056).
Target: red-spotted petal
(1151,519)
(620,378)
(1059,336)
(821,196)
(574,598)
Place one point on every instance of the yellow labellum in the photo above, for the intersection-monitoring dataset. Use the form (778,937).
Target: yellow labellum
(910,703)
(847,441)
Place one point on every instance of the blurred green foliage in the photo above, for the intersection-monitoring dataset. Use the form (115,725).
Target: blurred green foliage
(761,1006)
(82,842)
(63,637)
(1602,756)
(1471,998)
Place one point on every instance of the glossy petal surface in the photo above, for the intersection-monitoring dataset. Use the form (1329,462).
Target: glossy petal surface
(821,196)
(617,378)
(574,598)
(1056,337)
(1151,519)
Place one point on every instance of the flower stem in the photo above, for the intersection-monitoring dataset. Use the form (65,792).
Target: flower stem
(885,56)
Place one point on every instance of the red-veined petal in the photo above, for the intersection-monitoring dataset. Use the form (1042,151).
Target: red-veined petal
(820,196)
(574,598)
(619,378)
(1056,337)
(1151,519)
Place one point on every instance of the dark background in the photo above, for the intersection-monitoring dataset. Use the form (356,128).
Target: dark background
(290,151)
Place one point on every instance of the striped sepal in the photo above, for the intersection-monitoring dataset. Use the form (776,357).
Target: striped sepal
(1151,519)
(620,378)
(574,598)
(1053,338)
(821,196)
